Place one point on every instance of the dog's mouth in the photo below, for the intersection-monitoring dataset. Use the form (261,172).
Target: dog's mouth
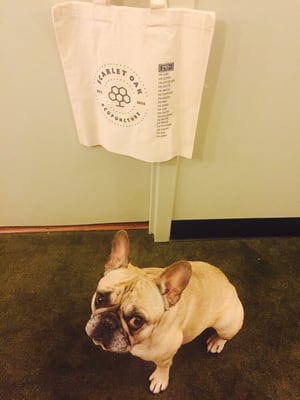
(117,346)
(117,343)
(97,342)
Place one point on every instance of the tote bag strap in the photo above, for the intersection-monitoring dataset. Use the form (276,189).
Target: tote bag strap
(153,3)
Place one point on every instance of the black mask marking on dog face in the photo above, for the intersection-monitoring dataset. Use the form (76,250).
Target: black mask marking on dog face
(102,299)
(106,328)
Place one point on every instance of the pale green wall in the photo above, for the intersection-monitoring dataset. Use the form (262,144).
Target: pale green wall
(46,177)
(247,154)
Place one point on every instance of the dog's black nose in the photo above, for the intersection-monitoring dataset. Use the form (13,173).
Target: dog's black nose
(103,325)
(105,329)
(110,322)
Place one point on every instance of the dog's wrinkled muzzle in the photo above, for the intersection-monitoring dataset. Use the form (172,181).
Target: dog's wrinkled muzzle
(101,324)
(106,330)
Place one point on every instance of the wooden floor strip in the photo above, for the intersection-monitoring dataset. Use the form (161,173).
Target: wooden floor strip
(75,228)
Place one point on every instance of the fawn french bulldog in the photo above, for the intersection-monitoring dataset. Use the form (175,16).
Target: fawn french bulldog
(151,312)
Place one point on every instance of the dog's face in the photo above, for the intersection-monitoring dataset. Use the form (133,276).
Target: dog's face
(125,310)
(130,302)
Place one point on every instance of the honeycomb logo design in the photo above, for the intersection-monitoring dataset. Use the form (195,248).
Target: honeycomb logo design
(120,95)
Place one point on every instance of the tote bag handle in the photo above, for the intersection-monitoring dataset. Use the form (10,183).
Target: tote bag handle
(153,3)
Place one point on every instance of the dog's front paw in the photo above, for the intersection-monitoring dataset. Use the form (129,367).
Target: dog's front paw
(215,344)
(159,379)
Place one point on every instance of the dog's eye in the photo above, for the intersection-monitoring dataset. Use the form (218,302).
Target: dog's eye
(136,322)
(100,300)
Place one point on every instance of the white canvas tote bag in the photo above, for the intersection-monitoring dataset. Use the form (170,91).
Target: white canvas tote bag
(135,76)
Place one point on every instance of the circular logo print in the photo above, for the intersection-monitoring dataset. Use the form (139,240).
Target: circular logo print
(121,94)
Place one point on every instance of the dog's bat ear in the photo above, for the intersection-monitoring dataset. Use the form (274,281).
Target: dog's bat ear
(119,252)
(174,280)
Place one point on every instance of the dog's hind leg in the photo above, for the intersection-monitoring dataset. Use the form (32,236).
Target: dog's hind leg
(215,343)
(227,326)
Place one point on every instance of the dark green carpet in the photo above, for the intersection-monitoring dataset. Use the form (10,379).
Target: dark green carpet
(46,285)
